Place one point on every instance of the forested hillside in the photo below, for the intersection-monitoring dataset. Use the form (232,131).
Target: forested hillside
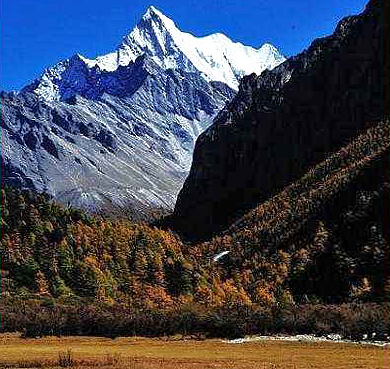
(48,249)
(322,239)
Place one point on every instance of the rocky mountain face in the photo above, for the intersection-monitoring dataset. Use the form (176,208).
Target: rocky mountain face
(120,130)
(133,149)
(285,121)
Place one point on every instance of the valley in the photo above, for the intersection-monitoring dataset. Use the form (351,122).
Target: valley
(181,192)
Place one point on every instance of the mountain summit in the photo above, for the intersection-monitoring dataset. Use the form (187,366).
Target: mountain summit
(215,57)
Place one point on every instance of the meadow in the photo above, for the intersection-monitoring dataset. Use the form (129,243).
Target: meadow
(163,353)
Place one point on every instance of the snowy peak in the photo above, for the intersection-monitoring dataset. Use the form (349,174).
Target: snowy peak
(150,12)
(152,35)
(154,14)
(215,57)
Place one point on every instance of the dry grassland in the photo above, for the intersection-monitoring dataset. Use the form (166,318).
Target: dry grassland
(141,353)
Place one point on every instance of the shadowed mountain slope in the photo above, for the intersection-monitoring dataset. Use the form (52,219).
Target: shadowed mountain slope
(285,121)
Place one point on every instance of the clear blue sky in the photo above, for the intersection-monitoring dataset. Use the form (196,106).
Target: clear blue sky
(35,34)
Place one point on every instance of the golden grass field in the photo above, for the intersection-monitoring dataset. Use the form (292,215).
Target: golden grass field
(142,353)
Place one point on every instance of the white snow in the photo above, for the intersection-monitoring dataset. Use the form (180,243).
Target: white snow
(215,55)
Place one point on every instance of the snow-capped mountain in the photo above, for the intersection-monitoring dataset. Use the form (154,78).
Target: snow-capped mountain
(120,129)
(215,57)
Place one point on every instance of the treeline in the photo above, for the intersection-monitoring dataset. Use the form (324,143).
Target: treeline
(38,318)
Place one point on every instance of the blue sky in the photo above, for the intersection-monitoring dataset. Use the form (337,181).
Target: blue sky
(35,34)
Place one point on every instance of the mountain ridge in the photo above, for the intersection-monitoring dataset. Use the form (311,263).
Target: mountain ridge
(214,56)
